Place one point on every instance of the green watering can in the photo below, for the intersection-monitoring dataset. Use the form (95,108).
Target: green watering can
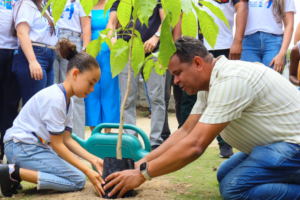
(105,144)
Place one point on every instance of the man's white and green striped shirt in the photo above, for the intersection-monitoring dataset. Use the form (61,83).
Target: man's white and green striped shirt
(261,105)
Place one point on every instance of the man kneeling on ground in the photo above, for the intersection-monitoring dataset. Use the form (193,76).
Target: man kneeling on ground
(255,110)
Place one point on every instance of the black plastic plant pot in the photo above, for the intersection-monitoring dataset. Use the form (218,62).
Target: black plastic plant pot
(112,165)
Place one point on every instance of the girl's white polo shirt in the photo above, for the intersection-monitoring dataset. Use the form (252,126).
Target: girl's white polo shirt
(44,114)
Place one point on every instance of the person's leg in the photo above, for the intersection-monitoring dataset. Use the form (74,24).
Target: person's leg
(29,86)
(252,45)
(53,172)
(187,104)
(271,47)
(147,95)
(177,91)
(130,106)
(9,94)
(156,91)
(56,68)
(166,130)
(270,172)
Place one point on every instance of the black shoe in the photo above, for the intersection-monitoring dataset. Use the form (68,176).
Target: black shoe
(8,186)
(225,150)
(20,187)
(154,147)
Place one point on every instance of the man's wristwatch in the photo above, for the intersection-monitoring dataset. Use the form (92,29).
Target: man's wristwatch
(83,49)
(144,171)
(157,34)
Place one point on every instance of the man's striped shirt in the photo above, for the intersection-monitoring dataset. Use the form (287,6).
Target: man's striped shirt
(262,106)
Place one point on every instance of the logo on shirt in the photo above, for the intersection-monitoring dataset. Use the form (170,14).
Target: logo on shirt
(260,3)
(8,4)
(69,9)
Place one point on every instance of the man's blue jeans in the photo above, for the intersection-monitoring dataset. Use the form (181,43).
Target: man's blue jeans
(29,86)
(261,47)
(268,173)
(53,172)
(9,94)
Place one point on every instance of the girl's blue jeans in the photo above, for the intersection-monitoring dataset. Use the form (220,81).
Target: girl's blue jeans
(29,86)
(53,172)
(268,173)
(261,47)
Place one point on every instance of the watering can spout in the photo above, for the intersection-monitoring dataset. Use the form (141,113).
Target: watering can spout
(80,141)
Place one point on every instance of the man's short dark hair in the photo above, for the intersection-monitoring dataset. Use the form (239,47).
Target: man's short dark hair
(188,48)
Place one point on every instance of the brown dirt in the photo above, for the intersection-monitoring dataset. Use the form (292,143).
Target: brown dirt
(159,188)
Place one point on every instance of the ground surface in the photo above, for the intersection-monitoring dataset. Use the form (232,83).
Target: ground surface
(195,181)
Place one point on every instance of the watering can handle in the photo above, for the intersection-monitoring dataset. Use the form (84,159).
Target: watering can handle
(125,126)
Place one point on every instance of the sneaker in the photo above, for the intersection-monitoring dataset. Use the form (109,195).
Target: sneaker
(8,185)
(225,150)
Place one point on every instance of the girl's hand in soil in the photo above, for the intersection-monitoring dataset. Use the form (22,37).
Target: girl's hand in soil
(98,164)
(96,180)
(124,181)
(278,62)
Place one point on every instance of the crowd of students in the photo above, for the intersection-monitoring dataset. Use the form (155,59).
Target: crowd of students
(45,64)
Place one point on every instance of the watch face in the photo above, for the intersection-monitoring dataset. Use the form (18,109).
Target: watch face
(143,166)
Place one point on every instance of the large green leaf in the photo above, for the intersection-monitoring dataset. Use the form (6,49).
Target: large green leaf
(189,24)
(146,9)
(148,69)
(107,41)
(105,31)
(94,47)
(108,5)
(159,69)
(47,5)
(209,28)
(186,6)
(119,56)
(138,55)
(58,7)
(136,8)
(124,12)
(88,5)
(217,11)
(174,6)
(166,47)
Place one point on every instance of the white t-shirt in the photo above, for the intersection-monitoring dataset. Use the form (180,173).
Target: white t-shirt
(7,41)
(225,36)
(261,17)
(70,18)
(44,114)
(298,43)
(39,27)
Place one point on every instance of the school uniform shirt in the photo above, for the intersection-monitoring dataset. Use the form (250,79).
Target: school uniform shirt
(39,26)
(225,36)
(43,115)
(298,44)
(70,18)
(7,41)
(261,17)
(261,105)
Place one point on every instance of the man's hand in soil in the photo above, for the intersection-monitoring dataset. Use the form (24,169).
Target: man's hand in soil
(124,181)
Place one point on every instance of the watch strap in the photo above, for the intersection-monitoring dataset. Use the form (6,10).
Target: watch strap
(146,175)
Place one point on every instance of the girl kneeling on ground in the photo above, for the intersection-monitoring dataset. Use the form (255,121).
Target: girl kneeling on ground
(47,118)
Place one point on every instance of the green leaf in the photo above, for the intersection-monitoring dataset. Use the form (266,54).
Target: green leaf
(105,31)
(148,69)
(217,11)
(175,7)
(159,69)
(146,10)
(87,6)
(58,7)
(209,28)
(124,12)
(94,47)
(167,47)
(138,55)
(186,6)
(107,41)
(155,54)
(108,5)
(189,24)
(136,8)
(119,56)
(45,8)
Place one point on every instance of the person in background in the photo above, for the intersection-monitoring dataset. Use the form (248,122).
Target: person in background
(156,84)
(46,119)
(297,34)
(37,37)
(73,21)
(265,41)
(9,89)
(103,105)
(295,61)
